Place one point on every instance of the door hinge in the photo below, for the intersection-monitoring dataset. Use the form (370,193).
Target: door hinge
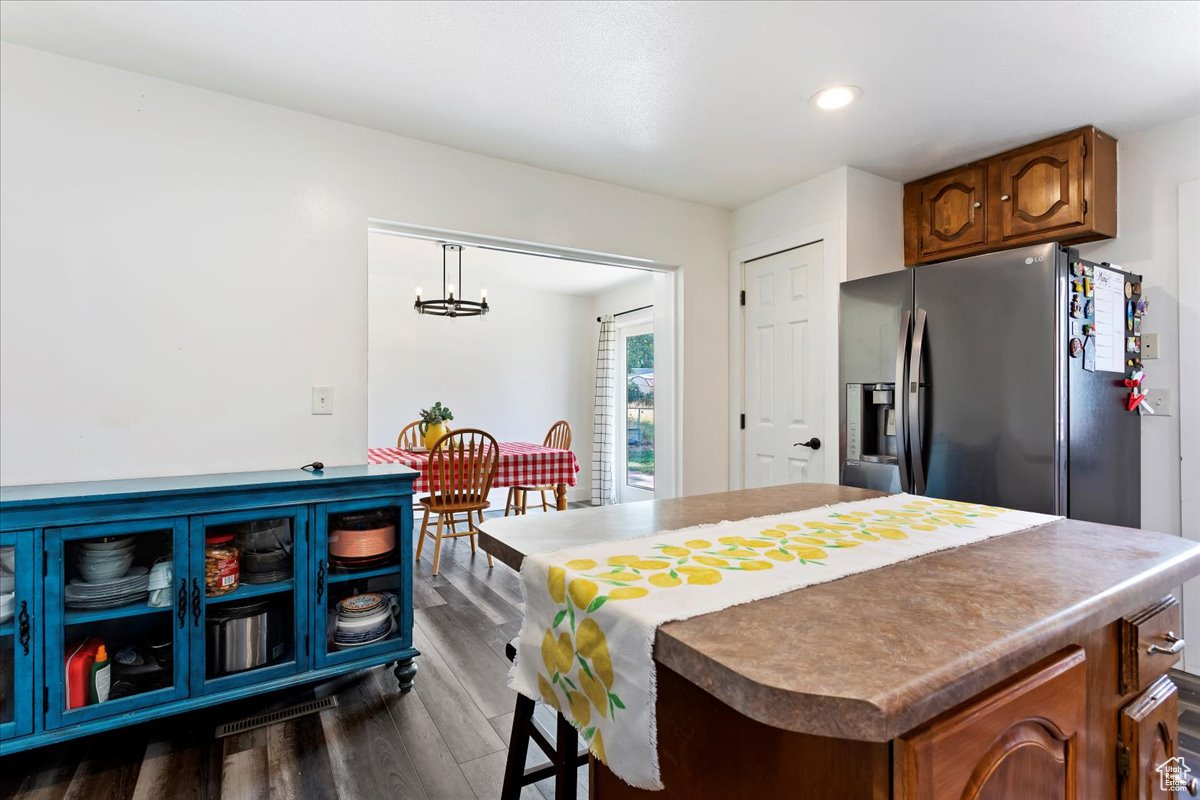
(1122,760)
(743,422)
(45,699)
(743,297)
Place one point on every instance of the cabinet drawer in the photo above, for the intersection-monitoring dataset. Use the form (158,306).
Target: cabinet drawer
(1150,644)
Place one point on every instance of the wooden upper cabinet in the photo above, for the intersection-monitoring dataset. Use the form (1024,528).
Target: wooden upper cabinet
(1023,739)
(1149,736)
(952,211)
(1061,189)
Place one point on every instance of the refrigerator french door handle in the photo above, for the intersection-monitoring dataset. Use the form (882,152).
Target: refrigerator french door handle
(901,405)
(914,403)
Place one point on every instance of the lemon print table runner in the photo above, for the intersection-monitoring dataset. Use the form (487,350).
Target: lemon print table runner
(586,642)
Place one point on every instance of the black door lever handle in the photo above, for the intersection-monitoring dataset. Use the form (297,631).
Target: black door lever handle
(814,443)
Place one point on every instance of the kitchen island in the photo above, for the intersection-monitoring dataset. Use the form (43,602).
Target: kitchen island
(1027,665)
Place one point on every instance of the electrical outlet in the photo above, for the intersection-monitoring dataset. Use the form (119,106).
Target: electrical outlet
(1160,401)
(322,399)
(1149,346)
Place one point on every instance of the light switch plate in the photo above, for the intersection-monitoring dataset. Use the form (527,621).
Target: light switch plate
(1160,401)
(322,399)
(1149,346)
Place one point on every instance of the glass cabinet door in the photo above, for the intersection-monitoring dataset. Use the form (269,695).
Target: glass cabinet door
(252,624)
(18,639)
(363,558)
(117,617)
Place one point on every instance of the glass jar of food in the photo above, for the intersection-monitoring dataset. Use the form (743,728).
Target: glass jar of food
(221,568)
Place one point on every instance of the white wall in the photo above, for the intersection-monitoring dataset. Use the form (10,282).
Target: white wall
(178,267)
(874,224)
(513,372)
(1150,167)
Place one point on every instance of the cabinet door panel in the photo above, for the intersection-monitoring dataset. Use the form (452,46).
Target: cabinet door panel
(1041,188)
(1022,739)
(952,211)
(1149,738)
(19,631)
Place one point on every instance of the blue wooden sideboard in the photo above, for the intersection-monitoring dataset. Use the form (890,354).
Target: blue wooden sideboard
(162,645)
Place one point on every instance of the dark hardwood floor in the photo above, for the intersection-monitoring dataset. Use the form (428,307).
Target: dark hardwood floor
(446,739)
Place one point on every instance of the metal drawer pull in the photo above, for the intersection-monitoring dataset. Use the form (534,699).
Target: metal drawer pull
(1175,648)
(23,620)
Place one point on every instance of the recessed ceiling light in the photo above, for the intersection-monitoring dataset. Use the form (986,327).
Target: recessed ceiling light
(835,97)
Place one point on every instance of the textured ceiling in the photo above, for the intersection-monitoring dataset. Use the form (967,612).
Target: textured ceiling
(703,101)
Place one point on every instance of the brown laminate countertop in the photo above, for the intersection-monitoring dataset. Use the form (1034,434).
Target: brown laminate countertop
(873,655)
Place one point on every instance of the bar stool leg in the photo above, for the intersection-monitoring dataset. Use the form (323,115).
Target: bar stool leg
(567,744)
(518,749)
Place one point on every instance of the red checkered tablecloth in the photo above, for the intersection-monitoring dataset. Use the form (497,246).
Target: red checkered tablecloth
(521,464)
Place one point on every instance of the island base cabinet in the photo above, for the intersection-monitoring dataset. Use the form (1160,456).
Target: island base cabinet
(1024,739)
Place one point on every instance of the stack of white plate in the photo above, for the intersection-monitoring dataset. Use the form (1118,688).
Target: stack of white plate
(105,560)
(132,586)
(8,582)
(364,619)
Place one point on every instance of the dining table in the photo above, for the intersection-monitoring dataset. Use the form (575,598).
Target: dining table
(520,464)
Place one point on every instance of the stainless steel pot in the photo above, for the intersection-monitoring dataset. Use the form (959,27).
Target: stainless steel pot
(242,636)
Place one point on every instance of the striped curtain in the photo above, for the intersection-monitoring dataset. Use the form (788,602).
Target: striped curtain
(604,414)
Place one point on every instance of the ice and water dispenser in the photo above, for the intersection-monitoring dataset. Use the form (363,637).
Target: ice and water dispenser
(870,430)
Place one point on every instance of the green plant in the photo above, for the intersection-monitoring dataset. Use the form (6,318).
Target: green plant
(435,414)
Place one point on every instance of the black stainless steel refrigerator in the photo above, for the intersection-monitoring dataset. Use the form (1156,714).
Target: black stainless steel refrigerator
(965,380)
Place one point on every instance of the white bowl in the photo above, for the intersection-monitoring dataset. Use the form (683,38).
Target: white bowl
(103,556)
(7,583)
(105,572)
(95,544)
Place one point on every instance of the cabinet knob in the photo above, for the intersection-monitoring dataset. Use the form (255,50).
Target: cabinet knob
(1193,788)
(978,204)
(1004,197)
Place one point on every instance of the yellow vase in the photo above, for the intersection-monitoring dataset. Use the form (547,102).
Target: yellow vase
(433,432)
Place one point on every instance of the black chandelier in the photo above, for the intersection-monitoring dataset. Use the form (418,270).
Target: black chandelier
(448,305)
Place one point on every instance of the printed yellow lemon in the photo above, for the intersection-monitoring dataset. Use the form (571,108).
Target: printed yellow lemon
(582,591)
(675,552)
(623,575)
(664,580)
(754,566)
(758,544)
(738,540)
(739,553)
(809,540)
(556,583)
(702,576)
(808,553)
(649,563)
(549,696)
(595,692)
(628,592)
(812,525)
(698,544)
(598,748)
(887,533)
(557,655)
(786,527)
(594,647)
(711,561)
(622,561)
(866,537)
(847,543)
(581,564)
(917,527)
(581,710)
(779,555)
(774,534)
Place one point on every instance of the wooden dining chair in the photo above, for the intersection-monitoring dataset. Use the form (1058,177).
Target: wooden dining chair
(410,437)
(558,437)
(462,466)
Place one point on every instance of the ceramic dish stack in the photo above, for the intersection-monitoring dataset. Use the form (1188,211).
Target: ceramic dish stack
(364,619)
(266,551)
(8,583)
(107,576)
(359,541)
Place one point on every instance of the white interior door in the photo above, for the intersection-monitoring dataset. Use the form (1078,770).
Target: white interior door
(785,368)
(635,451)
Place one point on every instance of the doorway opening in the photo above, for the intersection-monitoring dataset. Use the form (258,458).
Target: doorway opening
(531,360)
